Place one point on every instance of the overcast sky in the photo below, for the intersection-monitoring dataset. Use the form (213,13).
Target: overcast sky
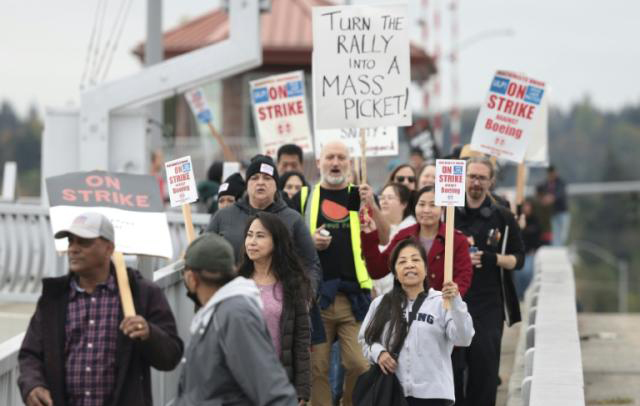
(579,47)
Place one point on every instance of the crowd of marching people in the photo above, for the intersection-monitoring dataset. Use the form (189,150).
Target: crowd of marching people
(328,293)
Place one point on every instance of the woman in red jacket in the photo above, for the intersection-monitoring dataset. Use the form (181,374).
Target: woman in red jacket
(430,231)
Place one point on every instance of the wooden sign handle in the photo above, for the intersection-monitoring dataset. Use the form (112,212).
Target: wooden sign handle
(188,222)
(521,180)
(448,249)
(363,158)
(123,285)
(227,153)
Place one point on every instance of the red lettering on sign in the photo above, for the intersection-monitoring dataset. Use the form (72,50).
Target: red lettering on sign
(142,201)
(68,195)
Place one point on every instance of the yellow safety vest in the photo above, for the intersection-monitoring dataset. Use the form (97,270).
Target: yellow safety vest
(354,223)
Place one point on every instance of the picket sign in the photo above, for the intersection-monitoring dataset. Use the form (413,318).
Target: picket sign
(512,124)
(509,117)
(126,298)
(450,192)
(197,101)
(361,72)
(182,189)
(280,112)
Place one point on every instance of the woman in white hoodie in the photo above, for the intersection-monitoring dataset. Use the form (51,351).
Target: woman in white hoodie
(423,366)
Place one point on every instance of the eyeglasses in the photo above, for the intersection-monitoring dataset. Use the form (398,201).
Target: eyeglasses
(479,178)
(401,179)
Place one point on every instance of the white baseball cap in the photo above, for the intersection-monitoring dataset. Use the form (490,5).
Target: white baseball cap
(89,225)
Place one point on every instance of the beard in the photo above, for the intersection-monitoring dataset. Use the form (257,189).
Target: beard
(334,180)
(476,193)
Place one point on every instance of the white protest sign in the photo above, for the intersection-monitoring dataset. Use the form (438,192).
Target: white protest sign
(229,168)
(537,153)
(280,112)
(131,202)
(509,116)
(450,182)
(198,103)
(380,141)
(181,181)
(361,66)
(9,181)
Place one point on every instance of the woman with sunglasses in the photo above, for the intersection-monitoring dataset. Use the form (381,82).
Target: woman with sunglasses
(285,290)
(423,364)
(429,231)
(404,174)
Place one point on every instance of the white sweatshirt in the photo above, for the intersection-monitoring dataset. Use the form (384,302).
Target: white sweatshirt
(424,366)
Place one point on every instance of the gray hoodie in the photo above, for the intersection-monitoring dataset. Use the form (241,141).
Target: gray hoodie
(230,359)
(231,221)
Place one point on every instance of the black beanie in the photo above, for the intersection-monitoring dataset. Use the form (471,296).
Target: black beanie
(233,186)
(262,164)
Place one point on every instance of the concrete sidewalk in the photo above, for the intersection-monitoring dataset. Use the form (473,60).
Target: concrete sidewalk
(610,345)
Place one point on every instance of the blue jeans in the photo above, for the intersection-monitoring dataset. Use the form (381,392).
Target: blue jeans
(336,371)
(560,223)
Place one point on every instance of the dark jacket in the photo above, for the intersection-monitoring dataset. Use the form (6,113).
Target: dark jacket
(230,223)
(295,343)
(41,358)
(478,223)
(378,262)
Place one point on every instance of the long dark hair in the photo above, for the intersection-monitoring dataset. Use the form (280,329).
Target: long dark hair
(392,175)
(416,198)
(285,264)
(392,305)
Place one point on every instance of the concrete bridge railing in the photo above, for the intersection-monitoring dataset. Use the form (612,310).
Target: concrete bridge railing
(548,366)
(27,251)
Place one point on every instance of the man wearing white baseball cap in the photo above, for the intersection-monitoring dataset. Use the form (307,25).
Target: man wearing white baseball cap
(79,349)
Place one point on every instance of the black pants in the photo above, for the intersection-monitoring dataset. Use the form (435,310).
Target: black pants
(481,360)
(427,402)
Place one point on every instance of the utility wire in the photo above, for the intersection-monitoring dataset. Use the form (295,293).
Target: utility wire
(87,60)
(114,35)
(96,54)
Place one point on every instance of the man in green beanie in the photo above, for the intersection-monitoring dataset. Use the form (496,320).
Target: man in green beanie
(230,358)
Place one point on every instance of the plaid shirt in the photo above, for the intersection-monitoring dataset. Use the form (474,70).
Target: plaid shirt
(91,332)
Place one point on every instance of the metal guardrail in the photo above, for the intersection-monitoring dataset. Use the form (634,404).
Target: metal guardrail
(552,358)
(27,251)
(164,384)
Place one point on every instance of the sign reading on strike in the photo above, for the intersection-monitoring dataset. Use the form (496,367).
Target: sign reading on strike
(181,181)
(450,182)
(131,202)
(280,112)
(509,116)
(380,141)
(198,103)
(361,66)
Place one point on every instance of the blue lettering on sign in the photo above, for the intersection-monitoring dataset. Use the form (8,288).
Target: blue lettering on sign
(533,95)
(186,167)
(294,88)
(205,116)
(260,95)
(499,85)
(457,169)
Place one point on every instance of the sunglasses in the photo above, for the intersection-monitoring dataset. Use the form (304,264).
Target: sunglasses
(401,179)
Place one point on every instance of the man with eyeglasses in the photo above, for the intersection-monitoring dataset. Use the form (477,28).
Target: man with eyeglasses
(78,349)
(497,250)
